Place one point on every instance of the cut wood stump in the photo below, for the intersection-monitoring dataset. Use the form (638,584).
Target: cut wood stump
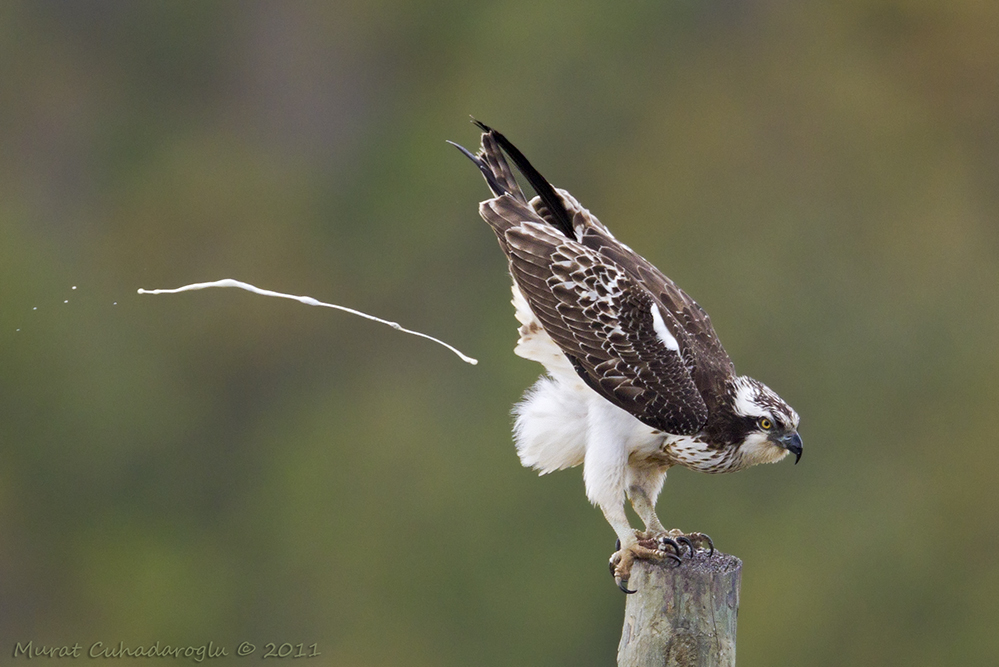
(682,615)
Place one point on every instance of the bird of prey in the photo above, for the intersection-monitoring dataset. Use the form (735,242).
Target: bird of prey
(637,380)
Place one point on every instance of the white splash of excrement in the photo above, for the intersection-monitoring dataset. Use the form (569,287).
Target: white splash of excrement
(309,301)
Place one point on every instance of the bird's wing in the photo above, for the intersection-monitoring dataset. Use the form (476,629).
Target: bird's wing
(710,365)
(612,329)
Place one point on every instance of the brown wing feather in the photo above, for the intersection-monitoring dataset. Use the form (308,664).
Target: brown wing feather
(600,318)
(711,367)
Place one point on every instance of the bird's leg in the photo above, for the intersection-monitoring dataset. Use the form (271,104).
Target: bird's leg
(645,509)
(654,530)
(608,479)
(630,545)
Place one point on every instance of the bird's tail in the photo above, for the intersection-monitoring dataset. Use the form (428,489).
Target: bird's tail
(493,165)
(494,168)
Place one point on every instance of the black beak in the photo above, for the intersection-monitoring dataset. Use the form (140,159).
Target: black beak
(792,443)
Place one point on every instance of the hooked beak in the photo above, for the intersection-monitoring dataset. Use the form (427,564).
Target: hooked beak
(792,443)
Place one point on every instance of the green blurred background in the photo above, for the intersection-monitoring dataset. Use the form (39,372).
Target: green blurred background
(215,466)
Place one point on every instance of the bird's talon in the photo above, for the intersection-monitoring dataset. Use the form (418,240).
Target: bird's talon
(620,568)
(683,539)
(701,538)
(670,542)
(623,585)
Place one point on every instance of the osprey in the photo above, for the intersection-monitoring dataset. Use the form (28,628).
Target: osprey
(637,379)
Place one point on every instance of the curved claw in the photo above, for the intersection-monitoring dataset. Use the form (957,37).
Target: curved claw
(683,539)
(701,537)
(668,541)
(652,546)
(623,585)
(622,582)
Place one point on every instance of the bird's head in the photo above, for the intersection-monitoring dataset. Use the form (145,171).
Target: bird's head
(770,425)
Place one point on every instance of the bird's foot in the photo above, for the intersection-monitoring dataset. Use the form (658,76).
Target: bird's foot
(622,559)
(693,541)
(657,546)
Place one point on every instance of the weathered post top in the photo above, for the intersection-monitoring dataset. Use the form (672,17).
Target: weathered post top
(682,615)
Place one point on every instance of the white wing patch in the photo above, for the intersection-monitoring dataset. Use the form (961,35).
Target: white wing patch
(661,331)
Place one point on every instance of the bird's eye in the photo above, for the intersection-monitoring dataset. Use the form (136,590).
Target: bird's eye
(766,424)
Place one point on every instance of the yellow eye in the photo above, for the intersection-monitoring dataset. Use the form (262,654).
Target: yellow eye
(766,424)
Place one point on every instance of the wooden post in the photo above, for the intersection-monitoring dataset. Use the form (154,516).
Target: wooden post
(682,615)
